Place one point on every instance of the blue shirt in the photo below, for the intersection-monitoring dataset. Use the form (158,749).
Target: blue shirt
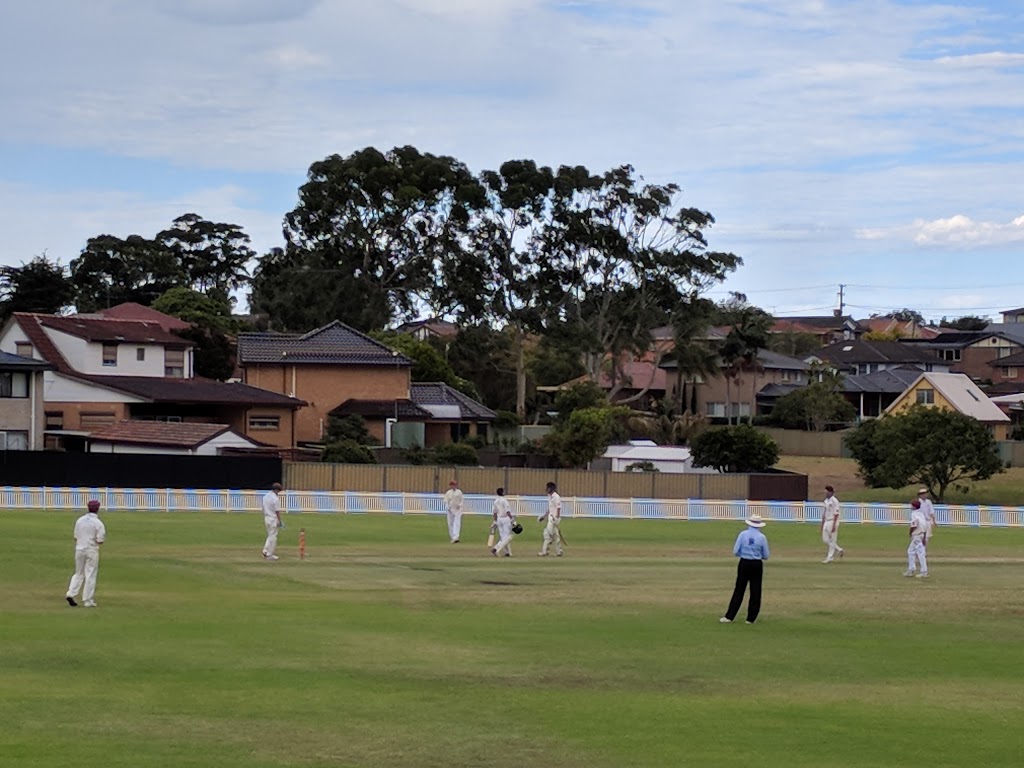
(751,544)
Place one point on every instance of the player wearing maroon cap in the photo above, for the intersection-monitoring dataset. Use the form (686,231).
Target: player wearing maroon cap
(90,533)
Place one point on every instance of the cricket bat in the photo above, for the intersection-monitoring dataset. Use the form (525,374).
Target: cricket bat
(490,539)
(562,538)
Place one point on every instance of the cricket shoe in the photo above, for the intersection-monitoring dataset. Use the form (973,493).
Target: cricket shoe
(71,601)
(825,562)
(494,552)
(724,620)
(922,575)
(908,573)
(89,605)
(270,557)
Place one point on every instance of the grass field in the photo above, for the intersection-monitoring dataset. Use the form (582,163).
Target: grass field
(1006,488)
(390,647)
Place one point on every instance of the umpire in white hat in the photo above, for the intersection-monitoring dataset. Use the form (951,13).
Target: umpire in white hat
(751,548)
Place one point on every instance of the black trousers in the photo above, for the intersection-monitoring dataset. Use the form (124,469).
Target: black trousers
(747,572)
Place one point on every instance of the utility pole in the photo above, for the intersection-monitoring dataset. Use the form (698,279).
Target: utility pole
(842,288)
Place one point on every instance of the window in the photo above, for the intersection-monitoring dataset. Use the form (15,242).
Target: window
(140,354)
(110,354)
(951,355)
(14,441)
(1009,373)
(96,419)
(23,348)
(55,419)
(264,422)
(716,410)
(174,363)
(13,385)
(926,397)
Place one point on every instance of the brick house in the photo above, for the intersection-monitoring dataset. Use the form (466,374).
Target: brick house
(977,353)
(22,408)
(105,371)
(857,357)
(953,391)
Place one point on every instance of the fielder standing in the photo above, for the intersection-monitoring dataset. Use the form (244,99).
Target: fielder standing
(929,513)
(751,548)
(272,520)
(501,514)
(830,525)
(552,531)
(453,501)
(918,533)
(90,533)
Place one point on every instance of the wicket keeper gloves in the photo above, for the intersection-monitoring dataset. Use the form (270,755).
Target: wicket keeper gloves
(517,528)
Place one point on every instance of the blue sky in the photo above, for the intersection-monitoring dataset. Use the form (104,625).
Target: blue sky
(878,144)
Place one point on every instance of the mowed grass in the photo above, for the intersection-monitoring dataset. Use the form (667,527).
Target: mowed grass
(390,647)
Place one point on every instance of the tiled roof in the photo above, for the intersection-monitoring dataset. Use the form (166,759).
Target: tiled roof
(436,326)
(29,323)
(890,381)
(858,351)
(335,343)
(812,324)
(132,311)
(9,362)
(1010,361)
(382,409)
(160,389)
(102,329)
(444,402)
(179,435)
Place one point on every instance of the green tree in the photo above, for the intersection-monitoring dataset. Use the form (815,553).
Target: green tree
(933,447)
(486,357)
(211,331)
(347,452)
(427,362)
(586,434)
(735,449)
(794,343)
(366,240)
(585,394)
(351,427)
(556,358)
(211,256)
(112,270)
(456,455)
(748,335)
(40,285)
(966,323)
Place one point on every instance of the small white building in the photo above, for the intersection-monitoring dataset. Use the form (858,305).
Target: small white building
(671,459)
(176,439)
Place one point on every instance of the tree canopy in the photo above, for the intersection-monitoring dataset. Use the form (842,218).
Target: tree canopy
(933,447)
(735,449)
(41,285)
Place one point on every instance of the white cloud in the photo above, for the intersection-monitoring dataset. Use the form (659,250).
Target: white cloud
(986,60)
(962,230)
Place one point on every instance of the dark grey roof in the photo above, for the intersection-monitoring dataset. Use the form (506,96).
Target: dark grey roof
(778,390)
(778,362)
(334,343)
(382,409)
(9,362)
(1012,331)
(444,402)
(859,351)
(891,380)
(1014,360)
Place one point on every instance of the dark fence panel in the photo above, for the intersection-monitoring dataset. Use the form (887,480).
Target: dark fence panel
(128,470)
(777,486)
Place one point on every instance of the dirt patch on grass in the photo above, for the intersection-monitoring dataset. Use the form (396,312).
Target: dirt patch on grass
(841,474)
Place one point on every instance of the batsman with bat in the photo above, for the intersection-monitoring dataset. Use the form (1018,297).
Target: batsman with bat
(552,531)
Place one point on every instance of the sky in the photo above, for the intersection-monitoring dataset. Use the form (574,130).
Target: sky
(874,145)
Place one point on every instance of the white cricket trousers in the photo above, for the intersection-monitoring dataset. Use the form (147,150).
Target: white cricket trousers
(832,539)
(454,525)
(87,565)
(916,551)
(551,537)
(271,543)
(505,536)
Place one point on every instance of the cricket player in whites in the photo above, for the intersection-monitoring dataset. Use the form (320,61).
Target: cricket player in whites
(272,520)
(928,510)
(453,501)
(501,514)
(90,533)
(830,525)
(552,532)
(918,532)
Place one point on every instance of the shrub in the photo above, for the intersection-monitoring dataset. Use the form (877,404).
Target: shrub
(735,449)
(348,452)
(456,454)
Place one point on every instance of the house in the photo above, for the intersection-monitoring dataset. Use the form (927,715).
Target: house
(105,370)
(1013,316)
(721,397)
(827,328)
(179,439)
(857,357)
(871,393)
(431,328)
(339,371)
(671,459)
(886,325)
(634,382)
(974,352)
(22,409)
(953,391)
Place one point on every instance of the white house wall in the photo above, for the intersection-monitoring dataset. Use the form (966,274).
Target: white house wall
(10,338)
(87,356)
(225,440)
(98,447)
(58,388)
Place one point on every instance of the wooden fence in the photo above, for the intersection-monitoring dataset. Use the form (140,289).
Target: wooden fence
(516,481)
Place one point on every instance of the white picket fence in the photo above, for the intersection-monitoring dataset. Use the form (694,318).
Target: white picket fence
(350,502)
